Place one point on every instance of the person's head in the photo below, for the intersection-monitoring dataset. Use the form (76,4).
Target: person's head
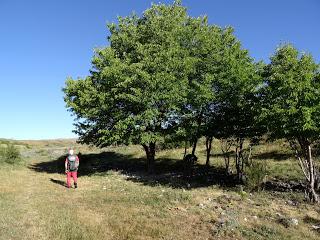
(71,151)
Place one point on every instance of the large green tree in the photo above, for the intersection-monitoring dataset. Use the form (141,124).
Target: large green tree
(222,83)
(232,114)
(139,84)
(292,106)
(204,44)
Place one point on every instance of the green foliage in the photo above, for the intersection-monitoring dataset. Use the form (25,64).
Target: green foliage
(256,172)
(260,232)
(138,83)
(238,106)
(291,106)
(10,154)
(291,99)
(170,142)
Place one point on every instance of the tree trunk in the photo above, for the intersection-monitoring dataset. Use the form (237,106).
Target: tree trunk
(185,149)
(239,165)
(197,134)
(225,147)
(304,157)
(194,146)
(208,149)
(227,163)
(313,196)
(150,152)
(237,162)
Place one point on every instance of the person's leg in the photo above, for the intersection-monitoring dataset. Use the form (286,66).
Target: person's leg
(68,179)
(75,179)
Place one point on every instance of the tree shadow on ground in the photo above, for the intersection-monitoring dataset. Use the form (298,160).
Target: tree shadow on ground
(167,172)
(273,155)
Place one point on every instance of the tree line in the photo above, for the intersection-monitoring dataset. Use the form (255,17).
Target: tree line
(168,77)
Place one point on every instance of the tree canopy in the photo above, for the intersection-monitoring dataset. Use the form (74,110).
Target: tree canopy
(160,71)
(291,104)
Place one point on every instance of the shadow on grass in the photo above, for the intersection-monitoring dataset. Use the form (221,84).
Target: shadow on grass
(273,155)
(311,220)
(167,171)
(59,182)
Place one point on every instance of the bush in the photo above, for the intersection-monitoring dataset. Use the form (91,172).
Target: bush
(10,154)
(256,172)
(171,142)
(2,154)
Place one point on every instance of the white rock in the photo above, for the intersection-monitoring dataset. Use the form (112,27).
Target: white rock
(201,205)
(294,221)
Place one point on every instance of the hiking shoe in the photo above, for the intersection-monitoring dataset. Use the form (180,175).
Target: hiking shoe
(75,185)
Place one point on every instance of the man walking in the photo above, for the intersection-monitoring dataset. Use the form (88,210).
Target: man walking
(71,168)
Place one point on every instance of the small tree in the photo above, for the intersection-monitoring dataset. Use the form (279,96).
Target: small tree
(291,106)
(221,86)
(204,44)
(234,112)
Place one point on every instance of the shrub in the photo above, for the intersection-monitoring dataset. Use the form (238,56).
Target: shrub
(2,153)
(256,172)
(10,154)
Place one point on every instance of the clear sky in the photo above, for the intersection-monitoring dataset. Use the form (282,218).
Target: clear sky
(44,41)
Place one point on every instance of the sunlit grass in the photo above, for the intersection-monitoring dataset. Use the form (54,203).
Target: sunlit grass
(112,205)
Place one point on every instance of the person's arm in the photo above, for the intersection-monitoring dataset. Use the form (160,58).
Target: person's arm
(77,162)
(66,165)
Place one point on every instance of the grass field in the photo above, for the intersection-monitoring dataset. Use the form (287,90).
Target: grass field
(116,200)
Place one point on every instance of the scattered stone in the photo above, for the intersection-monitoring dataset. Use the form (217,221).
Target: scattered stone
(292,203)
(289,202)
(294,221)
(288,222)
(255,217)
(222,213)
(219,209)
(201,205)
(221,221)
(316,227)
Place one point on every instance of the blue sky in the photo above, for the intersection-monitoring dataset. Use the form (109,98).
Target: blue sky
(43,42)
